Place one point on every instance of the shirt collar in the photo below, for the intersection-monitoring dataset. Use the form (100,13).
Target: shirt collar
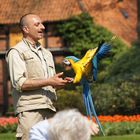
(36,46)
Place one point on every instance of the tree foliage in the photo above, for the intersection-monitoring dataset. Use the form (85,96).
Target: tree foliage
(117,87)
(81,33)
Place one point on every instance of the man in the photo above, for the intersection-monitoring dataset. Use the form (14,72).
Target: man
(33,77)
(65,125)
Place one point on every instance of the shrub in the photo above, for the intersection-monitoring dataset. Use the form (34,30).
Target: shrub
(117,98)
(109,99)
(121,128)
(69,99)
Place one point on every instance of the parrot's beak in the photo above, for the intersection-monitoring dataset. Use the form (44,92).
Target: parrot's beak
(66,62)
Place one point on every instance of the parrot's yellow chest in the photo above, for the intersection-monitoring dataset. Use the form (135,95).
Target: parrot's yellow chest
(83,66)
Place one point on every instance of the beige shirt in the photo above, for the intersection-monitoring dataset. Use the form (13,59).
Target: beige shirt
(18,66)
(24,62)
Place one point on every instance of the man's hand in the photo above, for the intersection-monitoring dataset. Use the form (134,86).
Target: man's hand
(58,82)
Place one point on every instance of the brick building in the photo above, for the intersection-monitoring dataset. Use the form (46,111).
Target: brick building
(119,16)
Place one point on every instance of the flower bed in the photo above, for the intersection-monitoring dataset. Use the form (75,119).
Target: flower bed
(119,118)
(113,125)
(8,124)
(120,124)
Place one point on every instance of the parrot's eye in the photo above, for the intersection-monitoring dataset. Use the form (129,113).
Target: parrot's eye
(65,61)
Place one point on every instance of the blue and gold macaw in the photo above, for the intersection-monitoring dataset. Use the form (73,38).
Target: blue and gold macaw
(84,69)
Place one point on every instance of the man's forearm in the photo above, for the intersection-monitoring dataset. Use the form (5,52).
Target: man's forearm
(56,81)
(32,84)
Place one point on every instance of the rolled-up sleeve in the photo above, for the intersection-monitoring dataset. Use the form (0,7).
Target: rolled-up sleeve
(17,69)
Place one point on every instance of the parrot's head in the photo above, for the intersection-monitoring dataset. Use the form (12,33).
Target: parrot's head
(66,62)
(70,59)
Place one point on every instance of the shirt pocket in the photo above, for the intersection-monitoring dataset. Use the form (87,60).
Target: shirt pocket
(34,68)
(30,58)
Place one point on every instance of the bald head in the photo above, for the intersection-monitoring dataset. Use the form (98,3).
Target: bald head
(24,19)
(32,27)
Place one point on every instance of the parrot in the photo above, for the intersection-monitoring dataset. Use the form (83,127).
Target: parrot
(84,69)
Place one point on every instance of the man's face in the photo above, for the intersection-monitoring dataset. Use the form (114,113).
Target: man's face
(34,29)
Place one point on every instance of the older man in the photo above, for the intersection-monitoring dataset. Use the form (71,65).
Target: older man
(33,77)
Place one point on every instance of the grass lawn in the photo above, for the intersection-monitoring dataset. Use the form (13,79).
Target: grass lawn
(7,136)
(11,136)
(124,137)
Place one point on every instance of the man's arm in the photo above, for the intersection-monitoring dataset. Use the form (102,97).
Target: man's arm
(19,81)
(56,81)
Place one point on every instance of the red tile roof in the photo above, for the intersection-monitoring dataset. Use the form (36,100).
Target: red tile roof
(108,13)
(48,10)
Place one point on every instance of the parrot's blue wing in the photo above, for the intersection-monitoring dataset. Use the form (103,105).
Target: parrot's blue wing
(103,50)
(94,67)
